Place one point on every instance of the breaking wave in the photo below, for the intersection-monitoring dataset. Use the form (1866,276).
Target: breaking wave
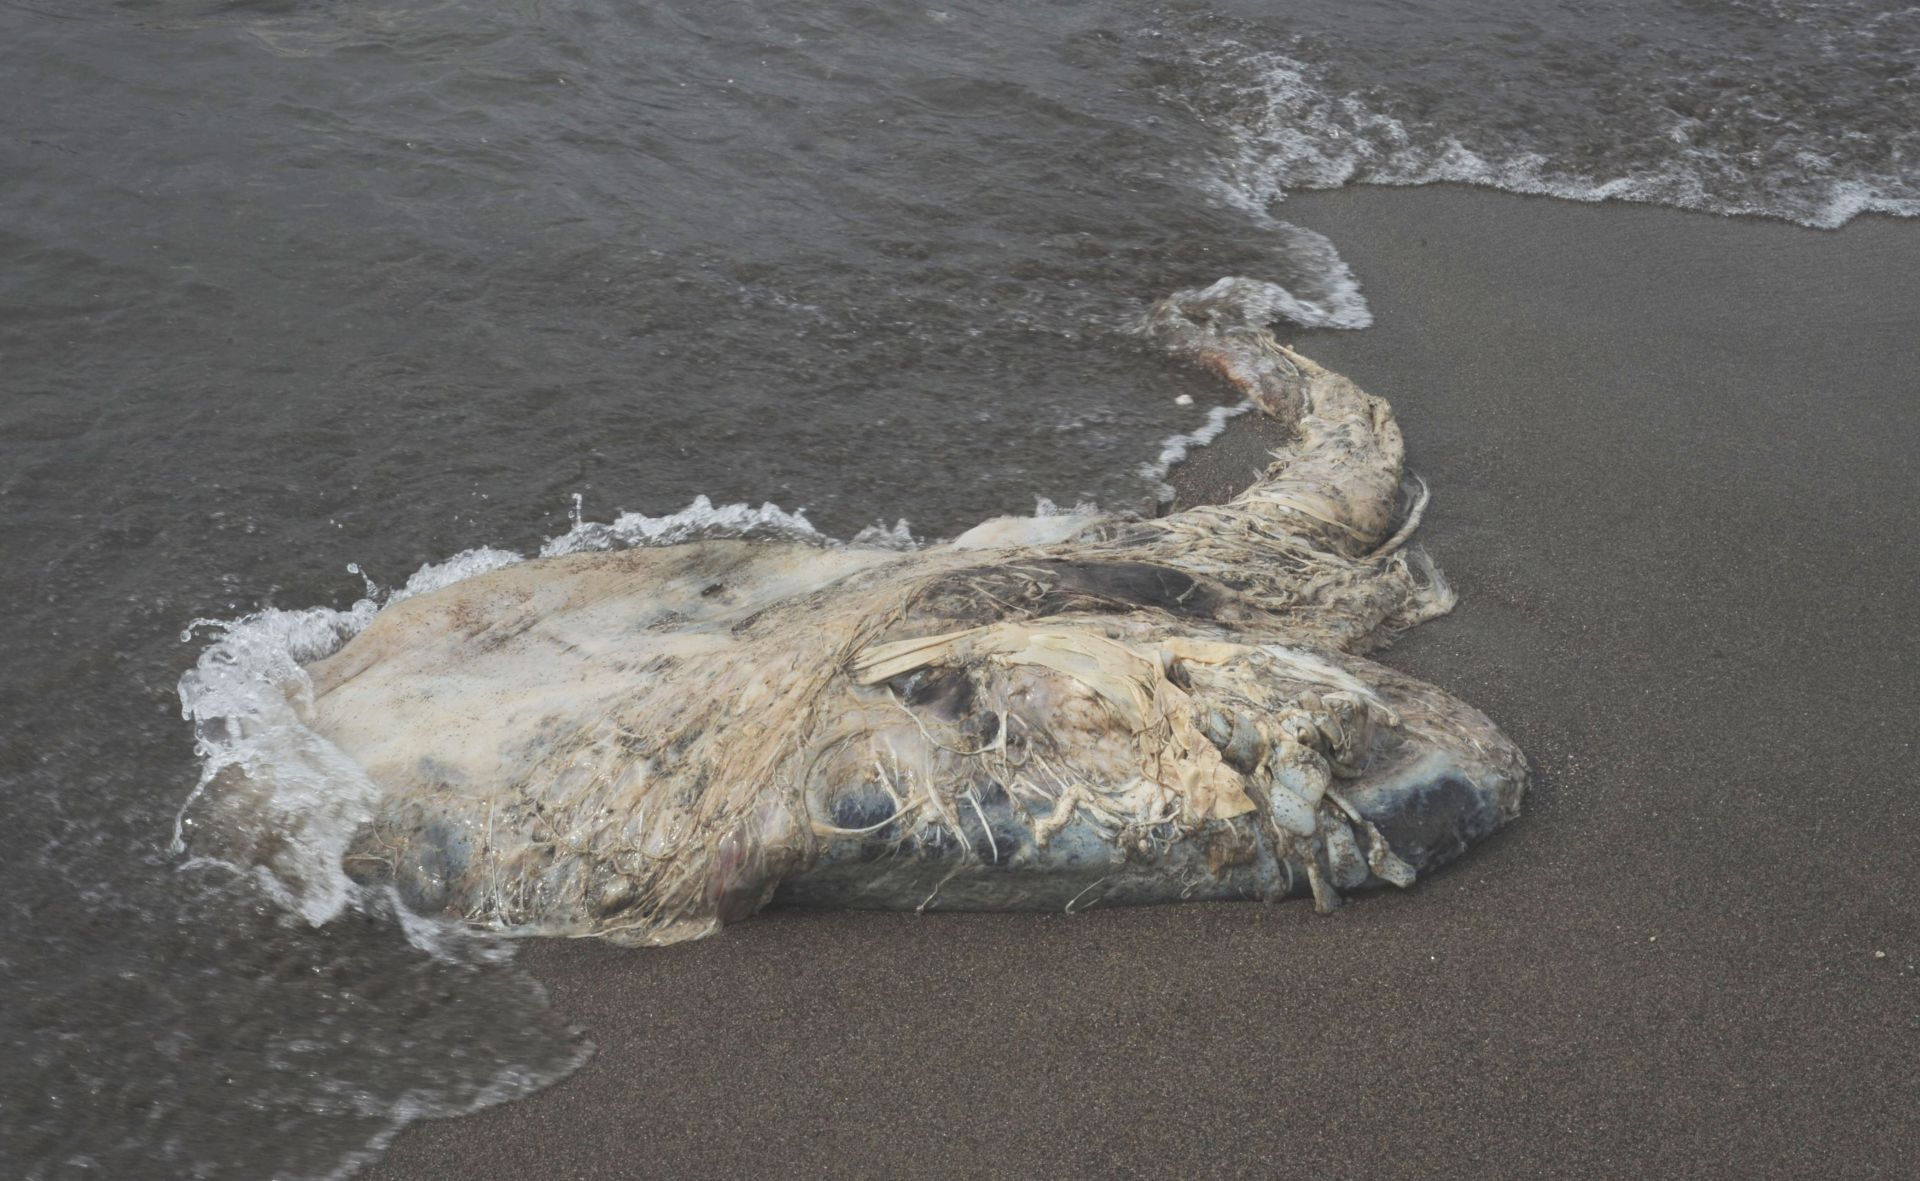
(1816,135)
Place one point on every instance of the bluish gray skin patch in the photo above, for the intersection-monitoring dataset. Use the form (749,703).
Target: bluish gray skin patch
(1429,813)
(1417,777)
(1431,821)
(1079,867)
(438,860)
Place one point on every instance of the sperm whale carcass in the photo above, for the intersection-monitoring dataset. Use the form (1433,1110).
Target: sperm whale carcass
(1048,712)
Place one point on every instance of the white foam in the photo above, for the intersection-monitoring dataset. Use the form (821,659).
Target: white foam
(1044,507)
(1048,524)
(1329,298)
(1288,130)
(1176,447)
(246,698)
(896,536)
(458,568)
(702,518)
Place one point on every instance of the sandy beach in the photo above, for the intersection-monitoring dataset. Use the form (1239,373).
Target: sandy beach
(1672,458)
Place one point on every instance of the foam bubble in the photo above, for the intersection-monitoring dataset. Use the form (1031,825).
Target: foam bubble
(1331,299)
(699,519)
(462,566)
(896,536)
(1288,127)
(1043,506)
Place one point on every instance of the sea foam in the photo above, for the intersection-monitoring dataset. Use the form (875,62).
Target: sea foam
(1286,126)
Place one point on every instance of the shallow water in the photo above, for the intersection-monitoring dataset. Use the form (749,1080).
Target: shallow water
(292,286)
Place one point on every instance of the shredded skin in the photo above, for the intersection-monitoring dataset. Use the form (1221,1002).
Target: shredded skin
(645,745)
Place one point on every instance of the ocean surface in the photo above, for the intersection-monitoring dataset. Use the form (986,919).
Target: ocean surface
(305,304)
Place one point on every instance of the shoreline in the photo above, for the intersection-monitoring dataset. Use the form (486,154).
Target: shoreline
(1669,455)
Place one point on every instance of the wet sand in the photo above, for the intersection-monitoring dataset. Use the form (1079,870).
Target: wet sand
(1673,468)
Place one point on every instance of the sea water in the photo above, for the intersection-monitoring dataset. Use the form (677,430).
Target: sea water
(305,307)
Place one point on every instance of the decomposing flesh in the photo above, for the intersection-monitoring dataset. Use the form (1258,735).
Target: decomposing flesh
(1050,712)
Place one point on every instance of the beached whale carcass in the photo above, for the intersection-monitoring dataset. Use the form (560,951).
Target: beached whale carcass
(1046,712)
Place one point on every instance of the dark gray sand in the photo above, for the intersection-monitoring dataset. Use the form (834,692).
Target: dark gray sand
(1673,461)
